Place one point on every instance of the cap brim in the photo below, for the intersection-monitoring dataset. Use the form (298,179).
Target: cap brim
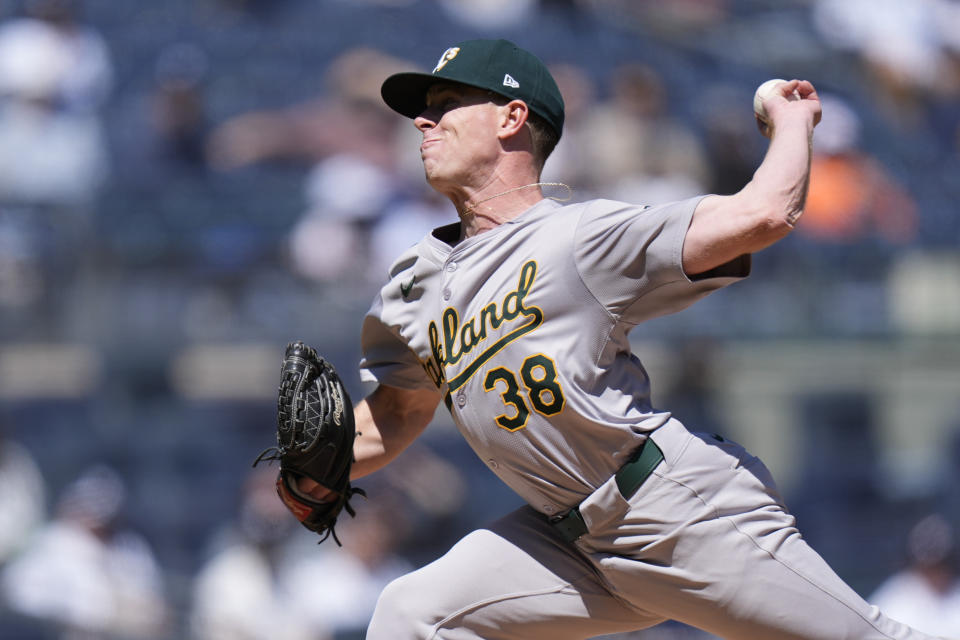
(406,93)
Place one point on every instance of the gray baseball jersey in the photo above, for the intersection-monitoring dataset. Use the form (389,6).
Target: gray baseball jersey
(524,329)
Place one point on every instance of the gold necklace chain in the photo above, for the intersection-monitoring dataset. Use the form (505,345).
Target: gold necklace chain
(471,208)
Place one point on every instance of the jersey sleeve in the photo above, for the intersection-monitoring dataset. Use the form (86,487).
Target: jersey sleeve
(631,259)
(387,359)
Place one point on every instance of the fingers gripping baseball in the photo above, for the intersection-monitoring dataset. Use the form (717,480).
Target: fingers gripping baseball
(777,99)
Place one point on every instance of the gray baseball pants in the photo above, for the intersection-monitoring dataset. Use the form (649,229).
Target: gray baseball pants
(706,541)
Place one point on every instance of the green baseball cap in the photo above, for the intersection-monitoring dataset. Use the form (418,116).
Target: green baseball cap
(496,65)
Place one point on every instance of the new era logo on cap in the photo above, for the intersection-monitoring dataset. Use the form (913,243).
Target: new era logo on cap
(508,81)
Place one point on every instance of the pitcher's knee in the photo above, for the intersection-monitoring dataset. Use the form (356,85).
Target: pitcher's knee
(404,611)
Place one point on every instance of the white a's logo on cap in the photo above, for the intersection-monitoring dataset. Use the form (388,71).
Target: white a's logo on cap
(508,81)
(447,56)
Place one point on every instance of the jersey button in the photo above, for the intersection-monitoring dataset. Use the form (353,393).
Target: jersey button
(451,267)
(549,509)
(493,463)
(461,400)
(446,294)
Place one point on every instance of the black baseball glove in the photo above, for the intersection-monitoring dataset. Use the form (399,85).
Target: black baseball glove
(315,433)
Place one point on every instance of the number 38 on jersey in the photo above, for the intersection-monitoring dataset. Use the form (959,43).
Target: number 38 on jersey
(534,385)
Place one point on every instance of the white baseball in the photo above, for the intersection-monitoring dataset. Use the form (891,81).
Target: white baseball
(764,91)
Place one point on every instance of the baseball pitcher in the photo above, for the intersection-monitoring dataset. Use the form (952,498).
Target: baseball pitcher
(516,318)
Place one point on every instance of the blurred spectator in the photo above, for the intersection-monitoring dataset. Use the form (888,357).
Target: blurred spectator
(346,195)
(402,226)
(85,80)
(242,591)
(910,49)
(22,497)
(177,107)
(852,196)
(21,273)
(85,573)
(637,151)
(430,482)
(677,18)
(260,9)
(268,580)
(732,144)
(490,15)
(348,139)
(350,118)
(568,163)
(349,580)
(691,393)
(359,218)
(159,140)
(54,76)
(926,593)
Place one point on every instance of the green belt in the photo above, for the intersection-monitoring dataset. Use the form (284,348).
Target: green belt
(631,475)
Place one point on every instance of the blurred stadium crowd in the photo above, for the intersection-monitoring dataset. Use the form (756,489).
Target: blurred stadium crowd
(187,185)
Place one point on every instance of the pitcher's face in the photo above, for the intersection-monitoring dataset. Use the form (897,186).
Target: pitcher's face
(459,128)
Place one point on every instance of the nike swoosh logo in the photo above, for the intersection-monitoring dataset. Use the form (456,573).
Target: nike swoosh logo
(406,288)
